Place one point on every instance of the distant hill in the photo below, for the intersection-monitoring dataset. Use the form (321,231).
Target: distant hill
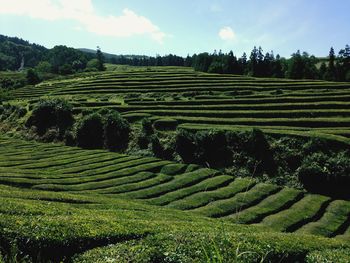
(13,50)
(109,56)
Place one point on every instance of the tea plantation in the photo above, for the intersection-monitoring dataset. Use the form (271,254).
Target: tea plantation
(174,96)
(66,203)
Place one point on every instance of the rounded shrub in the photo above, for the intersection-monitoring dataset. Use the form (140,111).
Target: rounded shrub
(259,148)
(116,131)
(326,174)
(51,113)
(185,145)
(212,148)
(89,133)
(147,127)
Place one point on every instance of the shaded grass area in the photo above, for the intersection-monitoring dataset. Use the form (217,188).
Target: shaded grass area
(48,230)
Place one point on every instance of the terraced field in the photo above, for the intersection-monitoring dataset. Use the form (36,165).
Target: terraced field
(196,190)
(198,100)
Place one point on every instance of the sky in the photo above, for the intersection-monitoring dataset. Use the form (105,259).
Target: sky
(151,27)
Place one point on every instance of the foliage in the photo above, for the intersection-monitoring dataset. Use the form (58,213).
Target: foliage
(259,148)
(321,173)
(185,145)
(51,113)
(100,60)
(147,127)
(89,132)
(329,256)
(116,131)
(103,129)
(32,77)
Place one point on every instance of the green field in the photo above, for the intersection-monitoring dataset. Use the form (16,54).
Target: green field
(61,203)
(197,100)
(74,200)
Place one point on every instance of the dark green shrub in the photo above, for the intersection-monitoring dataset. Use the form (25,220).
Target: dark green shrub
(185,145)
(51,113)
(147,126)
(32,77)
(116,131)
(163,149)
(165,124)
(144,138)
(143,141)
(50,135)
(212,149)
(259,148)
(89,132)
(316,145)
(69,138)
(326,174)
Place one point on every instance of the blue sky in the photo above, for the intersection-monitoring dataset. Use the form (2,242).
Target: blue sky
(181,27)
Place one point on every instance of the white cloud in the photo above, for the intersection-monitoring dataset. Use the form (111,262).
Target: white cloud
(226,33)
(82,11)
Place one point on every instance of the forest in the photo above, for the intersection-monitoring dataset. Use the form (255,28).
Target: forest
(64,60)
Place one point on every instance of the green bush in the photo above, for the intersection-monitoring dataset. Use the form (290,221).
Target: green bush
(116,131)
(147,126)
(326,174)
(185,145)
(51,113)
(144,137)
(163,148)
(259,148)
(329,256)
(89,132)
(33,77)
(212,149)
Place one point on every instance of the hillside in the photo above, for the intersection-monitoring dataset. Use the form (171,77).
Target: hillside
(64,203)
(199,100)
(13,50)
(95,198)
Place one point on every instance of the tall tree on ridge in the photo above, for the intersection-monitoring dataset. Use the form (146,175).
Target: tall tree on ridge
(100,60)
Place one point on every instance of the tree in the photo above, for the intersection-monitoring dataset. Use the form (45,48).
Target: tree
(43,67)
(116,131)
(296,68)
(90,132)
(51,113)
(100,60)
(323,71)
(253,61)
(331,71)
(32,77)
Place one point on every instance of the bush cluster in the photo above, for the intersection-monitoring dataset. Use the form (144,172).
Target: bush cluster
(103,129)
(54,113)
(326,174)
(217,149)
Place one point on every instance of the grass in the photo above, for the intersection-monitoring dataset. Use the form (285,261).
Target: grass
(224,207)
(181,96)
(336,215)
(271,205)
(64,203)
(203,198)
(298,214)
(206,185)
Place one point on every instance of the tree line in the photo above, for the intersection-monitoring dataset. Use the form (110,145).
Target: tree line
(301,65)
(64,60)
